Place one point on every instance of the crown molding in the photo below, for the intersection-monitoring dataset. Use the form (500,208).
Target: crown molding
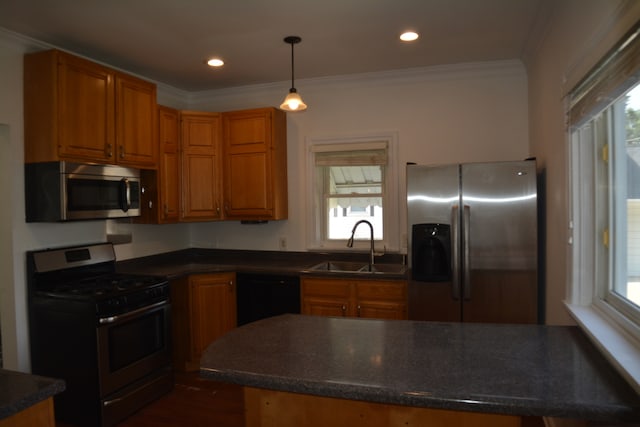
(254,95)
(391,77)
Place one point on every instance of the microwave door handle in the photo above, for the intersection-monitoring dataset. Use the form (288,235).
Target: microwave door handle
(125,194)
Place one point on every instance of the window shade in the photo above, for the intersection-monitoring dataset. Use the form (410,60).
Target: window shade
(616,73)
(357,154)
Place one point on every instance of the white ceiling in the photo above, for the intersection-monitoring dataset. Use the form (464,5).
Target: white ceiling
(168,40)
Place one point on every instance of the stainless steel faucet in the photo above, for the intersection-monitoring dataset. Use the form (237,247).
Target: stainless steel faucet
(353,232)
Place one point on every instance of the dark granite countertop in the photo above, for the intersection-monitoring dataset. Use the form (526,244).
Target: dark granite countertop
(527,370)
(195,260)
(19,391)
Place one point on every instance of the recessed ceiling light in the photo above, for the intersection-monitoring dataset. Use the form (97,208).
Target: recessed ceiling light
(409,36)
(215,62)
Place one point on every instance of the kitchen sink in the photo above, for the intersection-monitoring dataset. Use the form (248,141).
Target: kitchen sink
(339,266)
(358,267)
(384,268)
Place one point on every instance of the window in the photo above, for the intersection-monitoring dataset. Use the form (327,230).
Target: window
(604,120)
(352,179)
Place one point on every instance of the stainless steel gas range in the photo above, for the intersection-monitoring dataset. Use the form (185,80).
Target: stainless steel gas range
(106,334)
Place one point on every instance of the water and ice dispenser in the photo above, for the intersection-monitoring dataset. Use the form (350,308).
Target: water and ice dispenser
(431,252)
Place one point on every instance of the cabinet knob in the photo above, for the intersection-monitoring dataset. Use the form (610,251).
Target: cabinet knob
(109,150)
(121,150)
(359,310)
(344,310)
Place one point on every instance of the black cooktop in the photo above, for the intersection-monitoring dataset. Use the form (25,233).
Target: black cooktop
(101,286)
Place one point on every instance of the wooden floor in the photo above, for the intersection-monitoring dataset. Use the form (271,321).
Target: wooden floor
(194,402)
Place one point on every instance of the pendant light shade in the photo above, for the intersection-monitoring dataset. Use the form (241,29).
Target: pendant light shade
(293,101)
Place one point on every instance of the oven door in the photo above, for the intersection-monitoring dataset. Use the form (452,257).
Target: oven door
(133,345)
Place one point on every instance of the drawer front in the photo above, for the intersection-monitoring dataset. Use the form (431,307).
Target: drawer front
(325,288)
(382,290)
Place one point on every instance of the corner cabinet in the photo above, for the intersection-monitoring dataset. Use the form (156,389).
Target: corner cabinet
(201,166)
(203,308)
(77,110)
(255,164)
(378,299)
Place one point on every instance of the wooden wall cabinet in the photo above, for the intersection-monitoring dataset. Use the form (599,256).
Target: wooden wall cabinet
(201,166)
(203,308)
(221,166)
(379,299)
(169,165)
(255,164)
(77,110)
(187,185)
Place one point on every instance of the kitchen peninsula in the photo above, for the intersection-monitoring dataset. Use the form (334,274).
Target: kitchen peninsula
(310,370)
(27,399)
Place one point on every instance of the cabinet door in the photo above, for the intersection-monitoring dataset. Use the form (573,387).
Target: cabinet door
(213,309)
(86,113)
(381,310)
(326,297)
(382,299)
(255,184)
(136,122)
(201,166)
(326,306)
(169,168)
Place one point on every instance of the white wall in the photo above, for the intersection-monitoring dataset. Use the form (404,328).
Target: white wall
(464,113)
(576,37)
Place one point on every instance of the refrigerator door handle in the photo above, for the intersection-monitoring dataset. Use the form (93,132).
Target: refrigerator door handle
(455,258)
(466,269)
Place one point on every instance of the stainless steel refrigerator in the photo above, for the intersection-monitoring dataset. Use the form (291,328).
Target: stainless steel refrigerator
(473,242)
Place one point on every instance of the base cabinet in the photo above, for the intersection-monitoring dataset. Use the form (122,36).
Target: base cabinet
(203,308)
(39,414)
(263,407)
(377,299)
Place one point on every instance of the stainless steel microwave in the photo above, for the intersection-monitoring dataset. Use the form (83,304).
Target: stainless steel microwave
(65,191)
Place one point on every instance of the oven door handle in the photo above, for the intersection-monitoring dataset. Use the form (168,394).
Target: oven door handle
(120,317)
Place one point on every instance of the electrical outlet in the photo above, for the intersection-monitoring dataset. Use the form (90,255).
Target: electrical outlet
(282,243)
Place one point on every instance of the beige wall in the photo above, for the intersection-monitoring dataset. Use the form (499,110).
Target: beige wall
(578,33)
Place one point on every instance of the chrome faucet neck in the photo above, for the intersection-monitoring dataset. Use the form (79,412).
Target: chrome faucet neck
(353,232)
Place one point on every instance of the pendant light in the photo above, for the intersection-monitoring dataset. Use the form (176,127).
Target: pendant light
(293,102)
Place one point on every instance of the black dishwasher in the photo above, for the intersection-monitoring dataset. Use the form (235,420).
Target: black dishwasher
(265,295)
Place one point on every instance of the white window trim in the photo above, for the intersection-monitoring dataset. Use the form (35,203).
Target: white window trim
(616,337)
(392,220)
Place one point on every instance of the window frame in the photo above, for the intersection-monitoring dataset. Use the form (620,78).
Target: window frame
(590,299)
(615,334)
(316,219)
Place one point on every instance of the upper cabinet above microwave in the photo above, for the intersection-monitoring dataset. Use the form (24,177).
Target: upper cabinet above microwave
(78,110)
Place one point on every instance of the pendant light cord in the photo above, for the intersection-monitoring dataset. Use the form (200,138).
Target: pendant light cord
(292,64)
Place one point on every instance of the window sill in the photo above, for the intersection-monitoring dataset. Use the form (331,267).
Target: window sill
(620,348)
